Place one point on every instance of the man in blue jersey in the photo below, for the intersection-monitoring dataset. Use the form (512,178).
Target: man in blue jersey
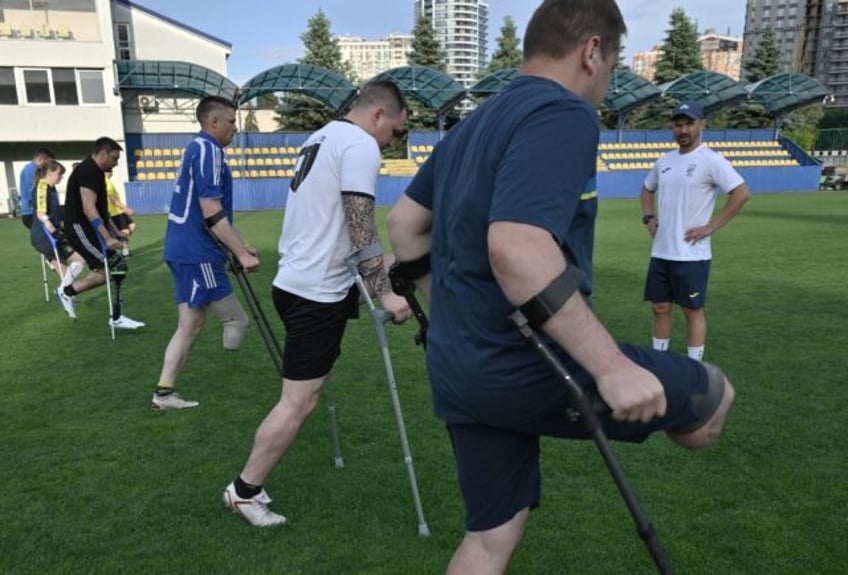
(502,215)
(202,207)
(26,189)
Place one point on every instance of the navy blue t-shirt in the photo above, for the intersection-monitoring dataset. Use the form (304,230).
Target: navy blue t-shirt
(526,155)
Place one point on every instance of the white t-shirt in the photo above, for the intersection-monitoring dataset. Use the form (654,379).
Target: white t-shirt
(340,157)
(686,187)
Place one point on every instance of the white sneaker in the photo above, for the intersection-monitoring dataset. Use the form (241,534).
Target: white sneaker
(66,301)
(124,322)
(171,401)
(254,510)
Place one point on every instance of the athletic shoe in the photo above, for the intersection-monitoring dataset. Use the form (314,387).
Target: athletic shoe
(124,322)
(254,510)
(171,401)
(66,301)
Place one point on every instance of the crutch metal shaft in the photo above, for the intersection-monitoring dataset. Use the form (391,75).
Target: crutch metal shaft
(379,318)
(593,424)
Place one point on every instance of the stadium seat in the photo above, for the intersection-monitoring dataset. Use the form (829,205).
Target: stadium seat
(141,177)
(169,164)
(161,176)
(236,173)
(157,153)
(147,152)
(137,153)
(263,173)
(289,173)
(158,164)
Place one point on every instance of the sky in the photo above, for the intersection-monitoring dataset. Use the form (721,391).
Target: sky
(266,33)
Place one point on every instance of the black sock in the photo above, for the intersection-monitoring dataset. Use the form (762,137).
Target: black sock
(70,291)
(162,391)
(246,490)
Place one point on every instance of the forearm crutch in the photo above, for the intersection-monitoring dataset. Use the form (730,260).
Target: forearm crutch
(105,251)
(44,278)
(588,414)
(380,317)
(275,351)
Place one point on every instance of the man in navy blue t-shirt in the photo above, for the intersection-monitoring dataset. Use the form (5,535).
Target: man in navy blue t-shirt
(505,207)
(200,217)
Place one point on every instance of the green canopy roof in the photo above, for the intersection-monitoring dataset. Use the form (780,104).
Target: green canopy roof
(329,88)
(711,89)
(493,83)
(782,93)
(434,89)
(628,90)
(173,77)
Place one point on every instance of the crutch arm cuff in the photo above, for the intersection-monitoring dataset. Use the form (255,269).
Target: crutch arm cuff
(541,307)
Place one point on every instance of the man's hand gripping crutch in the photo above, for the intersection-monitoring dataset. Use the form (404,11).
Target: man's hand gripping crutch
(396,309)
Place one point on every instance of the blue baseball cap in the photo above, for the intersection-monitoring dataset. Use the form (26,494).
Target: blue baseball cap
(690,109)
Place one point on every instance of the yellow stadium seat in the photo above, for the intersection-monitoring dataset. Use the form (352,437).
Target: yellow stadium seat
(289,173)
(169,164)
(141,177)
(260,161)
(157,153)
(253,173)
(263,173)
(291,150)
(281,173)
(251,161)
(137,152)
(265,150)
(236,151)
(236,173)
(147,152)
(158,164)
(273,150)
(161,176)
(276,161)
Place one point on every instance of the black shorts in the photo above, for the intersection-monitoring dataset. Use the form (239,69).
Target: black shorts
(122,221)
(86,243)
(27,220)
(314,332)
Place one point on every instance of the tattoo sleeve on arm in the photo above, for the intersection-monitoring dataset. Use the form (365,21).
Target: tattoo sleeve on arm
(362,227)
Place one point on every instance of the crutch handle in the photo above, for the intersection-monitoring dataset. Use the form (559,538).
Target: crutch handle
(382,315)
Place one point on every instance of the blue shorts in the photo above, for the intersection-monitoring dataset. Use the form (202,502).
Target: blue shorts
(684,283)
(498,461)
(199,285)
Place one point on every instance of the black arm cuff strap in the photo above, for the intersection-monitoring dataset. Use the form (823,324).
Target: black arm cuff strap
(413,269)
(545,304)
(215,218)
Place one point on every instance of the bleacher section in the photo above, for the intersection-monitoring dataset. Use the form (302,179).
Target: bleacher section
(262,164)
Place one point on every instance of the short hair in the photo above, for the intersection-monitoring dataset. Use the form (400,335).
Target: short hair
(106,144)
(52,165)
(209,104)
(558,26)
(381,93)
(44,153)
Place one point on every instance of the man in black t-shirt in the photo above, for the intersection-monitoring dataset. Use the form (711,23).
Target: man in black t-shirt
(89,228)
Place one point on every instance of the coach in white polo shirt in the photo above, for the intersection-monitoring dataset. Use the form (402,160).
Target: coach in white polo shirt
(329,216)
(683,186)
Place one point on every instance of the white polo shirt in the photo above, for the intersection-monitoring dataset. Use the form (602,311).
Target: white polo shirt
(685,187)
(340,157)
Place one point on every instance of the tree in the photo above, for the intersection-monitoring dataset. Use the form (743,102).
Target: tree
(426,49)
(681,54)
(766,60)
(250,123)
(301,113)
(508,53)
(267,101)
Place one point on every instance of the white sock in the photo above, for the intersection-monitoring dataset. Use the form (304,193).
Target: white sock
(73,271)
(696,352)
(661,344)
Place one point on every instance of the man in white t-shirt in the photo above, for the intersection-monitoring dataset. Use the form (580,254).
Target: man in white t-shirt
(329,216)
(684,185)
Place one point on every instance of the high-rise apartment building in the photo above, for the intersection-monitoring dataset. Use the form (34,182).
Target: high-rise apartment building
(722,54)
(370,57)
(462,28)
(812,36)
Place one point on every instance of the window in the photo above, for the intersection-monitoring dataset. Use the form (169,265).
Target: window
(65,87)
(37,87)
(91,86)
(123,41)
(8,92)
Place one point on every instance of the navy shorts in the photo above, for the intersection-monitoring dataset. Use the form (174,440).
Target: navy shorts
(684,283)
(314,332)
(198,285)
(498,459)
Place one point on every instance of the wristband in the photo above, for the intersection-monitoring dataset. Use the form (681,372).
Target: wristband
(96,223)
(647,218)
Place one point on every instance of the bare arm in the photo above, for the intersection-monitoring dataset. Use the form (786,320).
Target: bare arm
(228,235)
(89,209)
(525,259)
(736,198)
(409,225)
(647,198)
(362,227)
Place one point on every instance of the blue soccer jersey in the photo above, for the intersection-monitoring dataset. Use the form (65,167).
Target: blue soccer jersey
(528,156)
(203,174)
